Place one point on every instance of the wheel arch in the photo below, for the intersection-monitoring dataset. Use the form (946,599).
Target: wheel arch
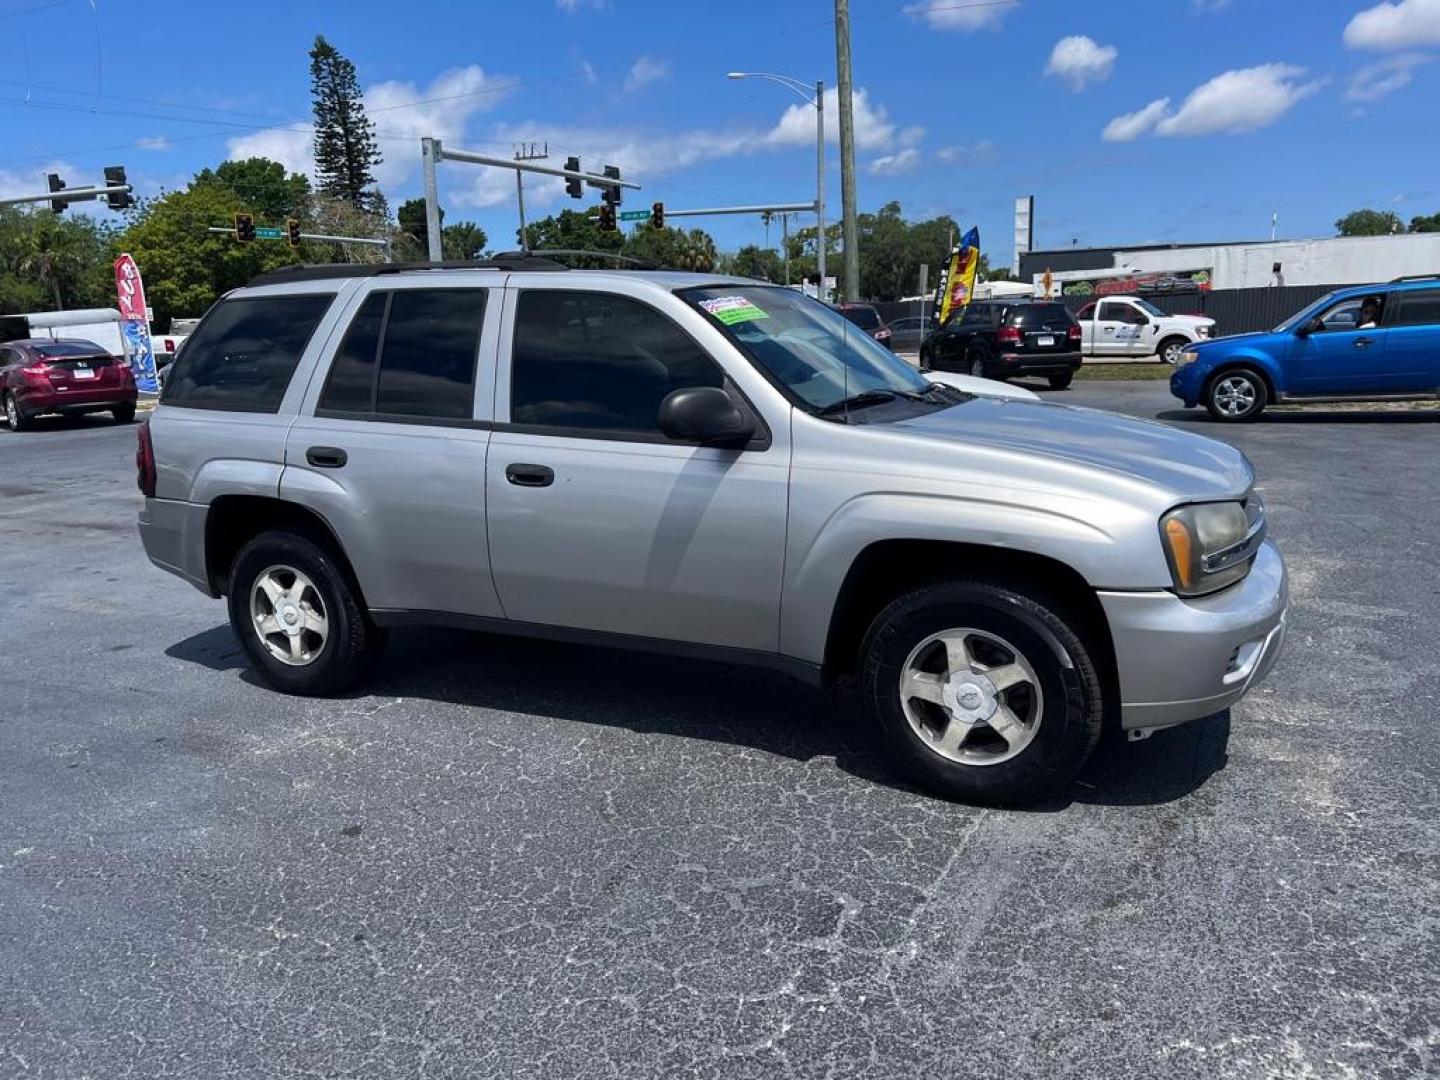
(1248,363)
(235,520)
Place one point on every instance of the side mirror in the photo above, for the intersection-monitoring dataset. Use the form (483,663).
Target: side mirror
(704,414)
(1306,329)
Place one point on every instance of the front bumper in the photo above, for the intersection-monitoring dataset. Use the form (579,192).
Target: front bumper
(1185,383)
(173,535)
(1179,660)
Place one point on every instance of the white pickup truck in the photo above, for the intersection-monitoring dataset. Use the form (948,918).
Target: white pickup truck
(1131,326)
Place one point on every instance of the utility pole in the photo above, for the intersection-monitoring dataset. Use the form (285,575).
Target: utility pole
(524,153)
(431,152)
(785,245)
(847,150)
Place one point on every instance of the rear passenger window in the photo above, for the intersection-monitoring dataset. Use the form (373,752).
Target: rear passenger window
(599,362)
(425,365)
(1419,308)
(242,356)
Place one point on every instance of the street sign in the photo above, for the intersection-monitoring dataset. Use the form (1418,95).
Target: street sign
(634,215)
(263,232)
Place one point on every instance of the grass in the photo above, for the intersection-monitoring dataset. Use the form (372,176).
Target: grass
(1156,370)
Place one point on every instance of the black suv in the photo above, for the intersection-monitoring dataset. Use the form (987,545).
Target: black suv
(996,339)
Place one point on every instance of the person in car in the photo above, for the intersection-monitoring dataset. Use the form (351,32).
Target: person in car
(1369,313)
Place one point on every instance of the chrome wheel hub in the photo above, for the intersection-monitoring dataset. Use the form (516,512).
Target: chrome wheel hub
(971,696)
(288,615)
(1234,396)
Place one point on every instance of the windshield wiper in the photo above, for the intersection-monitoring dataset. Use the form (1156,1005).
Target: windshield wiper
(857,401)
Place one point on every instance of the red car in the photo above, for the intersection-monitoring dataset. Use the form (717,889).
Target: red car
(66,376)
(867,318)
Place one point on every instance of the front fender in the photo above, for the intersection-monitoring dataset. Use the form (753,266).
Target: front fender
(1111,546)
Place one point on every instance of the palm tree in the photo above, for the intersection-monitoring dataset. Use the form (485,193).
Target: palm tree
(51,252)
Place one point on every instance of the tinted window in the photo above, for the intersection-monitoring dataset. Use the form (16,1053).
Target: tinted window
(1087,312)
(1041,314)
(592,360)
(427,365)
(975,315)
(351,385)
(867,318)
(70,348)
(1111,311)
(1419,308)
(244,353)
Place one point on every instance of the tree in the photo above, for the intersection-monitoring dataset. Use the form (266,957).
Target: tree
(339,217)
(575,230)
(1369,223)
(263,186)
(757,262)
(1423,223)
(462,240)
(345,147)
(47,261)
(673,249)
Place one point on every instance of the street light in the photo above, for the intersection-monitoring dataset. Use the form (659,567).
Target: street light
(818,102)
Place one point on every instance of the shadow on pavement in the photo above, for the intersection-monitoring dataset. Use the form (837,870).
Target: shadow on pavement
(715,702)
(1311,415)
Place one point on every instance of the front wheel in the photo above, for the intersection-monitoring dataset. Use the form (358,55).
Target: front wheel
(983,692)
(1061,380)
(1236,395)
(927,359)
(297,617)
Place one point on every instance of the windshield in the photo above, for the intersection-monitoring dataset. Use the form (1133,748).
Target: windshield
(1305,314)
(809,349)
(69,348)
(1150,309)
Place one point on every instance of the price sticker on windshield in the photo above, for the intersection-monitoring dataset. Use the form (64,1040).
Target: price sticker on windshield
(733,309)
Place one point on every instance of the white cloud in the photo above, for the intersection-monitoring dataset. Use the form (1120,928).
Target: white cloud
(587,72)
(895,164)
(874,130)
(962,15)
(32,181)
(570,7)
(1079,60)
(1132,125)
(645,71)
(1209,5)
(153,142)
(1238,101)
(1402,24)
(1375,81)
(977,154)
(292,146)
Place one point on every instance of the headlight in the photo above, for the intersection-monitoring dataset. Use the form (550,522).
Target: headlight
(1207,331)
(1189,356)
(1211,545)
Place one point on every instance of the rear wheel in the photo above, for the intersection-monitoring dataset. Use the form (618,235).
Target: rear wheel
(124,414)
(983,692)
(17,420)
(1236,395)
(1062,380)
(297,616)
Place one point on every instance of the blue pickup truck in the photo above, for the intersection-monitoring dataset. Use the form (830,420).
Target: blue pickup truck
(1366,343)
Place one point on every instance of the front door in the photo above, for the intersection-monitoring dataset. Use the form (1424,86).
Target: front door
(1345,354)
(389,452)
(597,521)
(1118,329)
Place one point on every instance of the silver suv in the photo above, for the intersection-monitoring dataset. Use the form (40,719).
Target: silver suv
(709,466)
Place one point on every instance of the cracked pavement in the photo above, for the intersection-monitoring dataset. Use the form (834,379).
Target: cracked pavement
(521,859)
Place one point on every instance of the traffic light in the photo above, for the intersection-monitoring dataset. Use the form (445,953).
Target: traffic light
(657,215)
(244,228)
(607,217)
(611,194)
(115,177)
(292,231)
(574,186)
(56,184)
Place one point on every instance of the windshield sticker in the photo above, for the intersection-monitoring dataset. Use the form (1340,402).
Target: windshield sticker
(733,309)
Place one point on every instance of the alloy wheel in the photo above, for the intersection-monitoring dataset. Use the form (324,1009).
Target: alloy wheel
(289,615)
(971,696)
(12,412)
(1234,395)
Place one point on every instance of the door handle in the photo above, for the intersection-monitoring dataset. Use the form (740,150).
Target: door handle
(1364,342)
(326,457)
(530,475)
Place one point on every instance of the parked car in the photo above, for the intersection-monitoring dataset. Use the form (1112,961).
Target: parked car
(908,332)
(1366,343)
(707,466)
(998,339)
(1132,326)
(66,375)
(868,319)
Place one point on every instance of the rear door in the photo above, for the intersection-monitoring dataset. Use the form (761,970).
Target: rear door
(1414,339)
(1114,328)
(390,449)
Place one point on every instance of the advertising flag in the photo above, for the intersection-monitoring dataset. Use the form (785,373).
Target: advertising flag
(135,323)
(957,284)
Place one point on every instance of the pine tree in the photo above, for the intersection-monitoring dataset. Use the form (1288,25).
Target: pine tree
(345,148)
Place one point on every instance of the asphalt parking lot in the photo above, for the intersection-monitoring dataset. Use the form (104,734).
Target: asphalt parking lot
(521,859)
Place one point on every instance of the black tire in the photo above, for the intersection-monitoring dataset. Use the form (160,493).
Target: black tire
(1068,712)
(1175,344)
(927,359)
(975,363)
(124,414)
(1062,380)
(1236,385)
(17,420)
(350,641)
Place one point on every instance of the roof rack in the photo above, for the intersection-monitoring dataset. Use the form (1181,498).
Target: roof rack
(507,261)
(1413,277)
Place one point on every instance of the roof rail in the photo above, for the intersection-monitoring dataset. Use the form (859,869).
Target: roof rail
(1413,277)
(507,261)
(639,264)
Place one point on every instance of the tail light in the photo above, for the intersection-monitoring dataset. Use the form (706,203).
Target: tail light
(145,460)
(1008,335)
(123,366)
(883,334)
(1074,332)
(41,369)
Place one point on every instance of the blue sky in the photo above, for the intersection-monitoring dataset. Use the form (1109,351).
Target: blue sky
(1156,121)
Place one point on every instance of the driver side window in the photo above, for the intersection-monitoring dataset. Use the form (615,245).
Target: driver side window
(1343,316)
